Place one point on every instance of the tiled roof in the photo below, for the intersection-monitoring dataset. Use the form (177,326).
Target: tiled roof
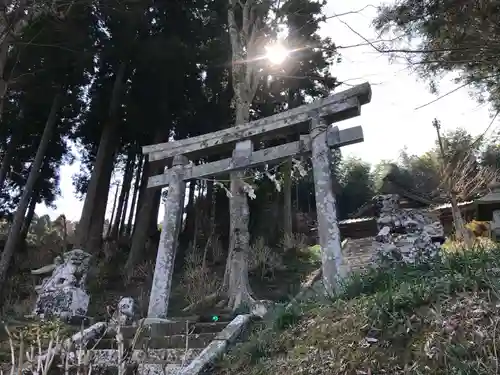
(448,205)
(358,220)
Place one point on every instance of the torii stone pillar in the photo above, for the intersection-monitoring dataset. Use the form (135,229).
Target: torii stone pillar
(328,230)
(165,259)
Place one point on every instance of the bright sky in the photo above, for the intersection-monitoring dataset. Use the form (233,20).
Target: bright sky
(390,122)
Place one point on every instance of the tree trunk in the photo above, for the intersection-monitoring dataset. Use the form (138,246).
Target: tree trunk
(198,213)
(141,229)
(236,278)
(137,182)
(155,210)
(245,78)
(15,230)
(460,229)
(92,221)
(29,216)
(287,185)
(190,217)
(114,221)
(113,212)
(212,193)
(96,235)
(4,54)
(64,232)
(127,180)
(146,171)
(239,291)
(9,154)
(145,205)
(124,213)
(123,222)
(31,209)
(210,196)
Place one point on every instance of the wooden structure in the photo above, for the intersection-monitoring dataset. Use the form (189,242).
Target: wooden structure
(311,122)
(362,227)
(467,209)
(407,200)
(488,209)
(488,203)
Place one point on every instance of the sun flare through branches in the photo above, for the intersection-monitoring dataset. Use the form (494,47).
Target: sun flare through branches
(276,53)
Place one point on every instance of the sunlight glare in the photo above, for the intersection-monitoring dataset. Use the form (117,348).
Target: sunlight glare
(276,53)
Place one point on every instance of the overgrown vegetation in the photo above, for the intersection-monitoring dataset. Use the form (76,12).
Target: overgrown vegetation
(437,318)
(29,334)
(276,272)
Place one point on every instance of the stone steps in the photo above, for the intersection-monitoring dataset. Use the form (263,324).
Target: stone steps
(160,348)
(358,253)
(157,369)
(175,328)
(170,334)
(155,342)
(109,357)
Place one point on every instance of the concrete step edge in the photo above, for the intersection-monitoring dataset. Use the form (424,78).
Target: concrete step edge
(109,357)
(173,328)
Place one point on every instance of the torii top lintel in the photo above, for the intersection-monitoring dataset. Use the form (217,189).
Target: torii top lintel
(334,108)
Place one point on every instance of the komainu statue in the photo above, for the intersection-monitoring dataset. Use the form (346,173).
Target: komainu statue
(64,293)
(126,312)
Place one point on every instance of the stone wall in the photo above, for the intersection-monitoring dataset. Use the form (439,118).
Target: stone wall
(406,235)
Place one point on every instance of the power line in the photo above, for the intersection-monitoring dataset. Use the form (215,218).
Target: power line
(384,51)
(486,130)
(452,91)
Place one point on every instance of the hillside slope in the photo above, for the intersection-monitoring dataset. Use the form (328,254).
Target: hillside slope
(434,319)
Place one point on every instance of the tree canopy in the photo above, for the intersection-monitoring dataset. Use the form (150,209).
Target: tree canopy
(451,36)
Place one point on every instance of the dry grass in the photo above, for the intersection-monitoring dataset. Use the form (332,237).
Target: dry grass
(217,250)
(263,259)
(297,241)
(197,281)
(51,348)
(19,296)
(426,319)
(19,343)
(480,243)
(42,349)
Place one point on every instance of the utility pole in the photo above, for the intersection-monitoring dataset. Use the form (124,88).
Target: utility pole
(437,125)
(460,230)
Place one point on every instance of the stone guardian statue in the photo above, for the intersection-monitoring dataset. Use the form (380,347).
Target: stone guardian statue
(63,294)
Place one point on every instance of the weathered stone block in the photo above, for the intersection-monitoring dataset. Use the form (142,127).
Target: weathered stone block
(65,303)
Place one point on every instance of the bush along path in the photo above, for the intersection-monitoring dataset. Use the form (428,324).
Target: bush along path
(439,318)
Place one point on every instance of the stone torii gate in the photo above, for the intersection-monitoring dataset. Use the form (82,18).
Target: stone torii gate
(317,137)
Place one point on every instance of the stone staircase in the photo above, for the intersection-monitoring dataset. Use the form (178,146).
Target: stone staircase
(160,348)
(358,253)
